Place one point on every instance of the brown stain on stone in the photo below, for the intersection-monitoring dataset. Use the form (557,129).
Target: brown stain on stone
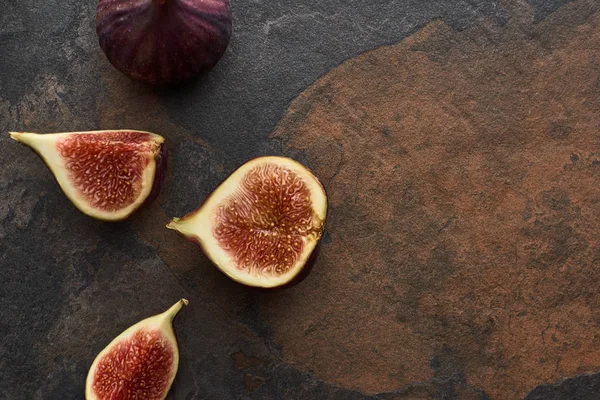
(252,382)
(242,361)
(126,104)
(463,171)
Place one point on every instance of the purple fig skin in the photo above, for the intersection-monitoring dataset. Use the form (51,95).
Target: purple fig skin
(160,174)
(163,42)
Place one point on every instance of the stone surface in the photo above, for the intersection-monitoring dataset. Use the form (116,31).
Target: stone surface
(457,141)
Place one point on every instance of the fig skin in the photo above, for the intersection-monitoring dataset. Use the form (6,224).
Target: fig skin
(162,161)
(310,254)
(32,141)
(163,42)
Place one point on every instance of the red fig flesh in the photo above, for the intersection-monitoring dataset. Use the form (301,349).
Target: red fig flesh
(261,225)
(107,175)
(163,41)
(140,363)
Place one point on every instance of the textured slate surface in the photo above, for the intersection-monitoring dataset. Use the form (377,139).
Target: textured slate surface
(462,163)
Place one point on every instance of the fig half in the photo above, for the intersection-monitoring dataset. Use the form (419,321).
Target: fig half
(140,363)
(107,175)
(261,224)
(163,41)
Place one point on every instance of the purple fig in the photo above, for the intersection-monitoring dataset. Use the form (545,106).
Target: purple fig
(163,41)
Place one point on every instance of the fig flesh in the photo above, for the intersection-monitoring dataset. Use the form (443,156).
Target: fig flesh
(261,225)
(140,363)
(163,41)
(107,175)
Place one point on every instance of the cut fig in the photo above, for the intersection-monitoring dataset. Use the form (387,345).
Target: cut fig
(140,363)
(107,175)
(261,224)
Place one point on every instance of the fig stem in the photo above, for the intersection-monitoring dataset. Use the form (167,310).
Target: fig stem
(24,137)
(181,226)
(16,135)
(172,223)
(174,310)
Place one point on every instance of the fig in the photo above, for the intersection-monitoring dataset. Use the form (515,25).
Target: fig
(140,363)
(163,42)
(107,175)
(261,225)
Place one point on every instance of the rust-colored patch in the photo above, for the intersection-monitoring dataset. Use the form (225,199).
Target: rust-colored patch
(242,361)
(125,104)
(463,172)
(253,383)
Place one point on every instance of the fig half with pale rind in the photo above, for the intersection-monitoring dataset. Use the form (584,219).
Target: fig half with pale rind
(140,363)
(107,175)
(261,225)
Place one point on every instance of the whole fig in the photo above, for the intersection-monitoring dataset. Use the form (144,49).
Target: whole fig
(163,42)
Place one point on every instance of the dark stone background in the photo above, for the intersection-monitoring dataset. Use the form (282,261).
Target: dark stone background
(462,252)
